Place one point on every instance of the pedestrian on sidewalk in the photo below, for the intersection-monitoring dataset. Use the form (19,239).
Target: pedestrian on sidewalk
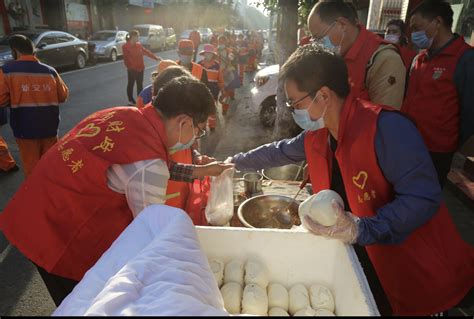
(133,53)
(99,176)
(414,259)
(7,163)
(33,91)
(395,33)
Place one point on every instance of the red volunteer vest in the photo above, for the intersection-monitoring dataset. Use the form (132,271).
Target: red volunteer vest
(357,59)
(64,216)
(432,101)
(433,268)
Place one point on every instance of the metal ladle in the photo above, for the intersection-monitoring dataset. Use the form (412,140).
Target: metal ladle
(284,215)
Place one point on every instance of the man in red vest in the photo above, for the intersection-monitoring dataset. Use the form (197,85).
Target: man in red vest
(376,160)
(440,94)
(376,70)
(91,184)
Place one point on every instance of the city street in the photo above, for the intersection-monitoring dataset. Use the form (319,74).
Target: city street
(22,291)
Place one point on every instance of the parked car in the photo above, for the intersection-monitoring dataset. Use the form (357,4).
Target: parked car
(109,43)
(206,34)
(55,48)
(185,34)
(264,93)
(152,36)
(170,38)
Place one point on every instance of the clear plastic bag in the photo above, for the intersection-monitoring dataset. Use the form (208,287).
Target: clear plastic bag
(220,205)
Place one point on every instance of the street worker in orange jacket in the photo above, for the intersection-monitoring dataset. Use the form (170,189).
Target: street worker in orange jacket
(33,91)
(195,37)
(185,193)
(103,173)
(146,94)
(375,158)
(376,70)
(7,163)
(133,53)
(440,91)
(212,67)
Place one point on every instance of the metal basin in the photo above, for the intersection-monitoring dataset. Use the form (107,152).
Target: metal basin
(260,211)
(284,173)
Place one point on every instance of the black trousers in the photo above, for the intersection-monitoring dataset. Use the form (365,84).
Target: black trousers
(442,163)
(58,287)
(134,76)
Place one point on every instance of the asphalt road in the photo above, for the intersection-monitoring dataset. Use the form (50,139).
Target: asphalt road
(22,291)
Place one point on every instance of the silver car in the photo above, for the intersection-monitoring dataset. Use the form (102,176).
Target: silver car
(109,43)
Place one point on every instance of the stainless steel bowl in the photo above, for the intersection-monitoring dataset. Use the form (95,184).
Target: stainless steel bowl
(284,173)
(260,211)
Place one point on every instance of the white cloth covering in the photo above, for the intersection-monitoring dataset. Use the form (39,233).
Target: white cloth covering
(154,268)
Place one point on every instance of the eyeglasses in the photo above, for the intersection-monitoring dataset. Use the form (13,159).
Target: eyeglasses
(291,105)
(201,132)
(315,39)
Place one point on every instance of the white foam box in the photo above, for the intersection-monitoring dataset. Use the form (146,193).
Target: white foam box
(297,257)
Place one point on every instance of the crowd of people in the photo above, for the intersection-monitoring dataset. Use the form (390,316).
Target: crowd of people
(382,118)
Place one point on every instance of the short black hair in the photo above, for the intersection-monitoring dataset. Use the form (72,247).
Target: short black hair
(431,9)
(330,10)
(312,67)
(21,43)
(185,95)
(167,75)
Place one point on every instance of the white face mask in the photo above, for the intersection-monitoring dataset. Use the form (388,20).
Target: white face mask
(185,59)
(392,38)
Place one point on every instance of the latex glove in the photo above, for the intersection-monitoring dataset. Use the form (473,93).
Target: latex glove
(212,169)
(204,159)
(346,228)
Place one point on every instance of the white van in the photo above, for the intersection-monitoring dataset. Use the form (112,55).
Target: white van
(152,36)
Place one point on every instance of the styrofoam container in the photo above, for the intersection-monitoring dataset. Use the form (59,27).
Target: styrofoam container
(297,257)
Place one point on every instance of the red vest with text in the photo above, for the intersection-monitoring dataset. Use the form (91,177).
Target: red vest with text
(357,58)
(64,216)
(433,269)
(432,100)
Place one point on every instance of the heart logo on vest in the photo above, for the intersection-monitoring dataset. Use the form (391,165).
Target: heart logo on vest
(360,179)
(90,130)
(437,73)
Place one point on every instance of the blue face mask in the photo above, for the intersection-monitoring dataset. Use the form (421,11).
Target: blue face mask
(303,119)
(421,40)
(180,146)
(327,43)
(185,59)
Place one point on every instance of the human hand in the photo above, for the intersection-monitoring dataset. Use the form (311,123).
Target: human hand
(204,159)
(345,229)
(212,169)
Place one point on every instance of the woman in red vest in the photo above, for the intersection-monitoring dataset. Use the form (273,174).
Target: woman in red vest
(376,160)
(103,173)
(395,33)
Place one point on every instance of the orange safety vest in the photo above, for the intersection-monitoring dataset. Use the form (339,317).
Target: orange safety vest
(64,216)
(433,269)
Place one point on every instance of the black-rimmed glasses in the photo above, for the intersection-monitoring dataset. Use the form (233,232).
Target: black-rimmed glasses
(291,105)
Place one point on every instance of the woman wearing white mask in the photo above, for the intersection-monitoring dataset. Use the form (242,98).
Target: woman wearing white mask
(376,160)
(395,33)
(440,95)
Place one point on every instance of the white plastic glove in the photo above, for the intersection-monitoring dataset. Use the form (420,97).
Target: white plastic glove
(346,228)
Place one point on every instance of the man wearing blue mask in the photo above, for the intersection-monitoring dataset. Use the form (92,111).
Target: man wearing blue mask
(376,70)
(376,160)
(440,91)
